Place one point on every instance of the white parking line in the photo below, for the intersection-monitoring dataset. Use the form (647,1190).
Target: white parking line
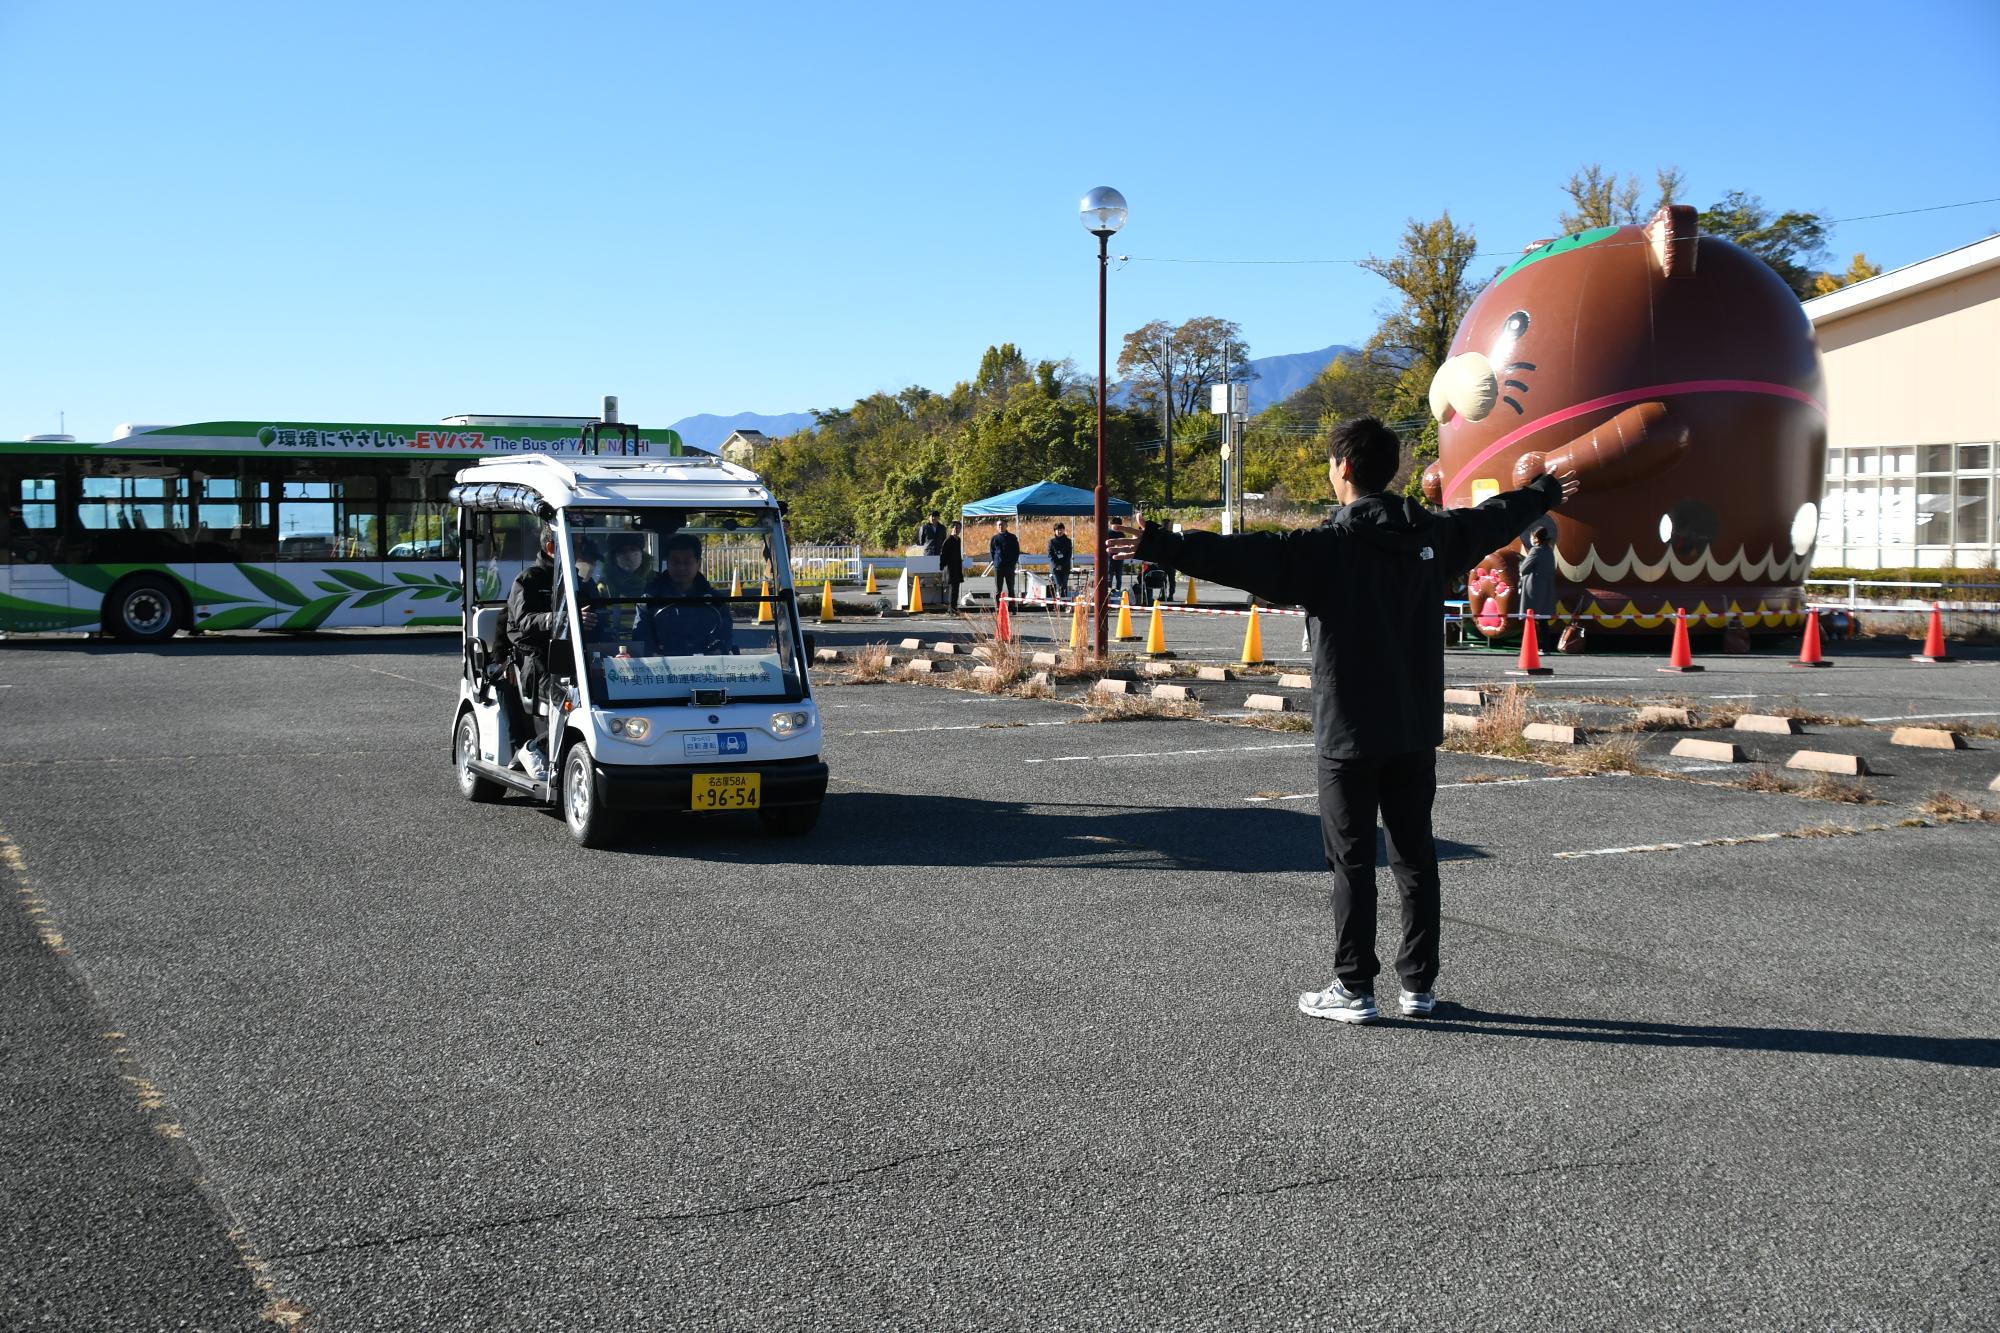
(1913,717)
(1490,782)
(1170,754)
(427,684)
(964,726)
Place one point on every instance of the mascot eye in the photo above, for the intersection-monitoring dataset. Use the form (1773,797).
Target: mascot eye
(1517,324)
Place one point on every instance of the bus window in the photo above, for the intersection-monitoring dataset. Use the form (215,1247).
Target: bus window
(28,518)
(123,514)
(328,513)
(233,508)
(417,523)
(131,499)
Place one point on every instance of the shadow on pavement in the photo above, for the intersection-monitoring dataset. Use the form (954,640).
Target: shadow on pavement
(891,829)
(1972,1052)
(421,642)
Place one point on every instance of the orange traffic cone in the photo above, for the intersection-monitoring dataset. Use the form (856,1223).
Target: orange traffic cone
(1934,650)
(1125,634)
(1253,641)
(1191,598)
(1531,652)
(1681,659)
(1809,653)
(1003,625)
(1079,628)
(764,603)
(1156,636)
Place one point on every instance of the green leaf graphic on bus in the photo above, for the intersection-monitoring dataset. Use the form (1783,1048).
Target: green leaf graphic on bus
(273,587)
(239,617)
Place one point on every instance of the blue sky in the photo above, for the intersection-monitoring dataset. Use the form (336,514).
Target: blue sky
(390,212)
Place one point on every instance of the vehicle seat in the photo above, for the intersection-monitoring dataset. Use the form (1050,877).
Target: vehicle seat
(488,622)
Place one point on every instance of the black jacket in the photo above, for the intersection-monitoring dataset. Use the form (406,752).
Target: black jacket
(1372,580)
(951,559)
(931,537)
(1061,552)
(531,610)
(1004,551)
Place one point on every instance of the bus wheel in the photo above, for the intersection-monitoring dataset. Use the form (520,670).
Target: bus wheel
(145,609)
(583,808)
(470,785)
(789,821)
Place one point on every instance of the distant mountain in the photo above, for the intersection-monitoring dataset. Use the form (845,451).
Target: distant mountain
(1278,377)
(707,431)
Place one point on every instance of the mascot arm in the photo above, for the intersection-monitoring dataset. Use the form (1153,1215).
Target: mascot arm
(1639,443)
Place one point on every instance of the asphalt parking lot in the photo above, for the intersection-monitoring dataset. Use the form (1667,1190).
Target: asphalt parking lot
(1010,1041)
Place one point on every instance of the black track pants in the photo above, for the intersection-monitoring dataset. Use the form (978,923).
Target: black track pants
(1402,788)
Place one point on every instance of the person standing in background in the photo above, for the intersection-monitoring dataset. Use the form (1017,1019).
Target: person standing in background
(1061,552)
(951,561)
(1004,552)
(931,535)
(1538,582)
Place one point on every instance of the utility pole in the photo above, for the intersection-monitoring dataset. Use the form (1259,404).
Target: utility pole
(1167,413)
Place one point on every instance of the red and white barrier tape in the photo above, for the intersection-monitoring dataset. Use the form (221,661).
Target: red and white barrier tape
(1164,606)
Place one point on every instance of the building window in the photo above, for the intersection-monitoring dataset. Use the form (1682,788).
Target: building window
(1933,458)
(1975,457)
(1974,512)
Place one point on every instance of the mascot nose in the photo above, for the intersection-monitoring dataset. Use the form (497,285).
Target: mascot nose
(1464,386)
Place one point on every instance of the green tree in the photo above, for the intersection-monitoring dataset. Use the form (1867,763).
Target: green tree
(1600,199)
(1428,273)
(1790,243)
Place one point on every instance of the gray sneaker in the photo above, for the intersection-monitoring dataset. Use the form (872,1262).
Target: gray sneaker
(1416,1003)
(1339,1003)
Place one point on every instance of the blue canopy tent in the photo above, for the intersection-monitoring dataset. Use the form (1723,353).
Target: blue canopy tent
(1044,499)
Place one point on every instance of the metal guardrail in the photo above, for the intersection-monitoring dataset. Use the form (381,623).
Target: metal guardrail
(1908,600)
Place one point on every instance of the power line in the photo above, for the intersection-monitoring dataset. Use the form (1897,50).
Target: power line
(1507,254)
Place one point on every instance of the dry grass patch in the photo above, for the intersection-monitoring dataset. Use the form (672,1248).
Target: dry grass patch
(1614,754)
(871,663)
(1826,787)
(1294,722)
(1137,708)
(1499,727)
(1947,808)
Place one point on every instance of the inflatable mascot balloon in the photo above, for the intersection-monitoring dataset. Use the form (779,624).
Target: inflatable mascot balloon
(1679,376)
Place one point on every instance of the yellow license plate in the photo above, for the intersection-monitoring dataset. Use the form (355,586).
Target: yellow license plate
(728,791)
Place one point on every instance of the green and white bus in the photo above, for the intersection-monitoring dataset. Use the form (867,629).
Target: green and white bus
(286,525)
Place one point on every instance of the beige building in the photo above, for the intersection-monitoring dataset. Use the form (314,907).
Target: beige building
(1913,415)
(741,447)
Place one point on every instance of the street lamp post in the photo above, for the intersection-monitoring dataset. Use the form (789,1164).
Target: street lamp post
(1103,214)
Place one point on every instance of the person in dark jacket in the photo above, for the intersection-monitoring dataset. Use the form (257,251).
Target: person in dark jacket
(697,627)
(951,560)
(529,627)
(1004,551)
(1114,571)
(1372,581)
(1061,552)
(1538,581)
(931,535)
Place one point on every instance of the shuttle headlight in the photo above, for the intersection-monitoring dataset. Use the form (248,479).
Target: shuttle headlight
(628,728)
(790,724)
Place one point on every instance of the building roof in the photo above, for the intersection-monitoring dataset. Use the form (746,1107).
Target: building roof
(1904,281)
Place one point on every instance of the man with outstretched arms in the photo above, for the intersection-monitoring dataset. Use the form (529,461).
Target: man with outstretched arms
(1372,580)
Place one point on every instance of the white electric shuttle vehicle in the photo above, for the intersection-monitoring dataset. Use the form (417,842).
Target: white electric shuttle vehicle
(671,676)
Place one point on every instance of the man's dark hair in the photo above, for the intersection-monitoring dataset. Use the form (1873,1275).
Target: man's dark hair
(1371,447)
(1059,527)
(932,514)
(683,541)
